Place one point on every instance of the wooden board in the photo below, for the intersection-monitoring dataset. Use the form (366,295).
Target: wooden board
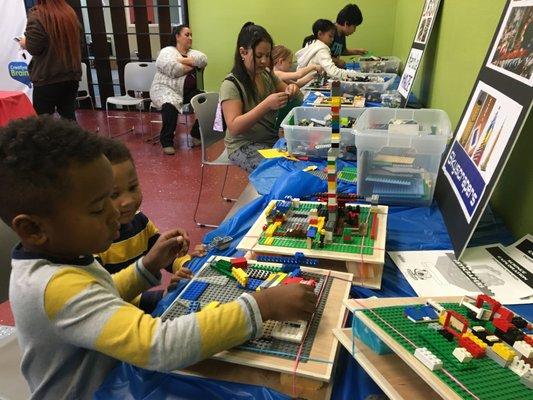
(303,387)
(391,374)
(325,346)
(366,269)
(427,375)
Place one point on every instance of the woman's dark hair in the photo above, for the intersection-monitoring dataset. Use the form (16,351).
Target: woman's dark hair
(249,37)
(320,25)
(176,31)
(351,15)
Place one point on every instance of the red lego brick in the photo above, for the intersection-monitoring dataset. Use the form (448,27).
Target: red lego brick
(456,315)
(239,262)
(528,339)
(374,230)
(292,280)
(502,324)
(309,282)
(313,221)
(471,347)
(504,313)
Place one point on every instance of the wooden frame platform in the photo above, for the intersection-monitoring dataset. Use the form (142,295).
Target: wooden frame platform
(420,369)
(311,378)
(367,270)
(391,374)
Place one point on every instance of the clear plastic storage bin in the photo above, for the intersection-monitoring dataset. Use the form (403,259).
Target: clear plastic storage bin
(360,88)
(391,64)
(399,152)
(313,140)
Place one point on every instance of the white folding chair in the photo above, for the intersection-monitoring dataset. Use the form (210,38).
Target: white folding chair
(84,87)
(205,107)
(138,77)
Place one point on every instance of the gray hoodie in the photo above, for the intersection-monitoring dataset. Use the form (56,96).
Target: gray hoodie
(318,52)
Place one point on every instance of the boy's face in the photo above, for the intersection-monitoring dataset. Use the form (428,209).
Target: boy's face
(85,220)
(348,29)
(127,195)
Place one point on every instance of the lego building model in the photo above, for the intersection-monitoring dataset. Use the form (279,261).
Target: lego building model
(332,230)
(305,348)
(463,348)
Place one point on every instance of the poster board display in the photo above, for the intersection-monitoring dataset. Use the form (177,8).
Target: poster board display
(490,125)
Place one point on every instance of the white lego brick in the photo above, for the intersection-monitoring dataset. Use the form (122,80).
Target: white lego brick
(478,329)
(289,331)
(435,305)
(519,367)
(462,354)
(492,339)
(496,357)
(428,358)
(523,348)
(527,379)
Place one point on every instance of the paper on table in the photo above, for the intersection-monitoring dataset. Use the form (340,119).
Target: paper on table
(487,269)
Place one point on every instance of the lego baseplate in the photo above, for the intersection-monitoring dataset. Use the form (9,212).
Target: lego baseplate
(483,377)
(389,372)
(319,348)
(364,262)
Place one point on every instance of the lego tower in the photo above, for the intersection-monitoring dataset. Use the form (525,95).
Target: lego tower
(333,153)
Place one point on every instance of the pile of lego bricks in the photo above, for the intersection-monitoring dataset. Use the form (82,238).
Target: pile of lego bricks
(298,216)
(485,377)
(214,284)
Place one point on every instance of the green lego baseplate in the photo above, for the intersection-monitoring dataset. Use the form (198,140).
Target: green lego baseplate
(482,376)
(348,174)
(338,244)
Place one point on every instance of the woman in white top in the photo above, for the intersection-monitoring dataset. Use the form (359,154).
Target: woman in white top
(317,51)
(175,83)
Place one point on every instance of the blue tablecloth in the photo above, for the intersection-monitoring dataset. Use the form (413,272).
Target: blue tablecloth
(420,228)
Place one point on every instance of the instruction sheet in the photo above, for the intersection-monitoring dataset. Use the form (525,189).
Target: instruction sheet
(505,273)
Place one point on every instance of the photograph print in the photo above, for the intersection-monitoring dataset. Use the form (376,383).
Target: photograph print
(479,145)
(512,52)
(410,71)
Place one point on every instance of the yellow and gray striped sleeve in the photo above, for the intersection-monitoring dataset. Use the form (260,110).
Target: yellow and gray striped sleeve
(86,314)
(133,280)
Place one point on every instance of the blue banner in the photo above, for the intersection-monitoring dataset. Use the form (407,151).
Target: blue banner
(465,179)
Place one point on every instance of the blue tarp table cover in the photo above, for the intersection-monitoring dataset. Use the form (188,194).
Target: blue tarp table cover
(408,228)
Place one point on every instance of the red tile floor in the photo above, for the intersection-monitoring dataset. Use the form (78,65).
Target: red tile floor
(170,184)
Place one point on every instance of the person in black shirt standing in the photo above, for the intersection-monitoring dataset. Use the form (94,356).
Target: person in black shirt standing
(348,19)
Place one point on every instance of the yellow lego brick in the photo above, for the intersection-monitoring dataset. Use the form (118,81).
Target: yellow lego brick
(336,101)
(475,339)
(269,208)
(269,240)
(442,318)
(504,351)
(335,136)
(240,276)
(320,224)
(213,304)
(332,186)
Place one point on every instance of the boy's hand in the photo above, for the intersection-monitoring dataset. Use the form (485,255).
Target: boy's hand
(200,250)
(169,245)
(286,302)
(186,242)
(182,273)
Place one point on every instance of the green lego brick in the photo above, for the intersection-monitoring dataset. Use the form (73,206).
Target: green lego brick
(483,377)
(222,270)
(224,264)
(348,174)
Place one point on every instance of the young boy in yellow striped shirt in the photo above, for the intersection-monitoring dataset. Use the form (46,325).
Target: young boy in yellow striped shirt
(137,233)
(74,319)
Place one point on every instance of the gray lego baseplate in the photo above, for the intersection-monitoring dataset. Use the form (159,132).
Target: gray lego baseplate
(231,291)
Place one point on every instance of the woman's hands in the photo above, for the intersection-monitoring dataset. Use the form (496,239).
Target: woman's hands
(277,100)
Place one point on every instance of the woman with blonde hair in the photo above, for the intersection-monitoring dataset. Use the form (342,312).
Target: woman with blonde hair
(53,39)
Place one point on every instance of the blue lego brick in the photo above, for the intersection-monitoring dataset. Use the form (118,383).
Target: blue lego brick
(194,291)
(311,232)
(253,283)
(295,272)
(194,306)
(287,268)
(421,313)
